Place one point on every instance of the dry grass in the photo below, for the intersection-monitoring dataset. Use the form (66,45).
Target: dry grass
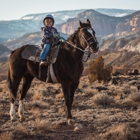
(1,89)
(138,119)
(4,88)
(119,132)
(36,96)
(36,104)
(135,97)
(61,110)
(6,136)
(60,95)
(128,102)
(1,113)
(20,129)
(36,113)
(102,99)
(46,118)
(42,125)
(89,91)
(103,121)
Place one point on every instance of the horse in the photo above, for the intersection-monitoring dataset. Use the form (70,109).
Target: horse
(67,69)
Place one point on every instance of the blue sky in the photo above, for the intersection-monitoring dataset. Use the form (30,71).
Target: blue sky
(15,9)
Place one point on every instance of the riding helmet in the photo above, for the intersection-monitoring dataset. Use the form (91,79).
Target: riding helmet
(49,17)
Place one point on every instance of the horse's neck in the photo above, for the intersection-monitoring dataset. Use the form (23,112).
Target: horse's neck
(75,53)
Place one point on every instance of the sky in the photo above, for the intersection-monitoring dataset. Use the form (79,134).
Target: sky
(15,9)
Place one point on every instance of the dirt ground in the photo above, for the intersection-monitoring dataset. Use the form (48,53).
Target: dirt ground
(100,112)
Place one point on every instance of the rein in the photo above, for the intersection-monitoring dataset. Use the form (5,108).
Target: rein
(75,46)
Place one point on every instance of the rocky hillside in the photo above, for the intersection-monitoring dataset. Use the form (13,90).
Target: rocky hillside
(4,51)
(103,24)
(30,38)
(123,58)
(122,41)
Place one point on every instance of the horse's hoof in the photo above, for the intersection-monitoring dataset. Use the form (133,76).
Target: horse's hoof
(70,121)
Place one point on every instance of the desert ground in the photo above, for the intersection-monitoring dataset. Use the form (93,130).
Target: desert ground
(100,111)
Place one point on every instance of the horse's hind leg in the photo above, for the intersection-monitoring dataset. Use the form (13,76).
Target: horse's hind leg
(73,87)
(27,79)
(72,90)
(13,84)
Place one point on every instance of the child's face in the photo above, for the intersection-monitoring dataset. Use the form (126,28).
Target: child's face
(48,22)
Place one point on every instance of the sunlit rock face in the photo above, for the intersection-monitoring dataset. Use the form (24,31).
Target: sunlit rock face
(103,24)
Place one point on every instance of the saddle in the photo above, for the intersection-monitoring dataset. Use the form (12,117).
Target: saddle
(32,53)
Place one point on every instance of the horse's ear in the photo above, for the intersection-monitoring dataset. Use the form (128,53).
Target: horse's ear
(88,21)
(80,23)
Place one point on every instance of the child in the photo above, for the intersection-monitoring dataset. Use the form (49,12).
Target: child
(48,37)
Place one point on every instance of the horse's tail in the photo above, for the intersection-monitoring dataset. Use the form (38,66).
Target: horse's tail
(9,84)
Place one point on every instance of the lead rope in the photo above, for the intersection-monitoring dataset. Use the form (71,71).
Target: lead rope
(86,51)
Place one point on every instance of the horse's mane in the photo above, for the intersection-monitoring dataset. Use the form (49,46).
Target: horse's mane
(73,36)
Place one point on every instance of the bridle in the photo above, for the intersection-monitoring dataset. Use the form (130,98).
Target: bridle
(92,37)
(87,49)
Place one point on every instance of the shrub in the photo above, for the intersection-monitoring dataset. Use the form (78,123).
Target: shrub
(42,125)
(102,99)
(135,97)
(97,71)
(6,136)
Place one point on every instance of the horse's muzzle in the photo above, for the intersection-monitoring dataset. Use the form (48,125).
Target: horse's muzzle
(94,48)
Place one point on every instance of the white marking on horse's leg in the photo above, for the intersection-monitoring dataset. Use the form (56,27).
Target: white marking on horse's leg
(21,110)
(70,121)
(12,112)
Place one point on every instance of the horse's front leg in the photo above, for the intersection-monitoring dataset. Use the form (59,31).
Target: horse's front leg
(68,103)
(12,110)
(21,110)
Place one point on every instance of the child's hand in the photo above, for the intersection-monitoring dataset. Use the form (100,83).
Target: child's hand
(56,34)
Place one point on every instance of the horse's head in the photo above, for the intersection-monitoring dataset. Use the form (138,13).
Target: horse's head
(87,36)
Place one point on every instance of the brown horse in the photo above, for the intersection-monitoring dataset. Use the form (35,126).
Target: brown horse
(67,68)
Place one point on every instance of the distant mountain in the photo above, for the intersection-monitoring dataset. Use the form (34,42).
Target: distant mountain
(32,22)
(62,16)
(115,12)
(59,16)
(102,24)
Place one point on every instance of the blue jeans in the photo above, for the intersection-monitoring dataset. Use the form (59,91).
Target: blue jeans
(44,52)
